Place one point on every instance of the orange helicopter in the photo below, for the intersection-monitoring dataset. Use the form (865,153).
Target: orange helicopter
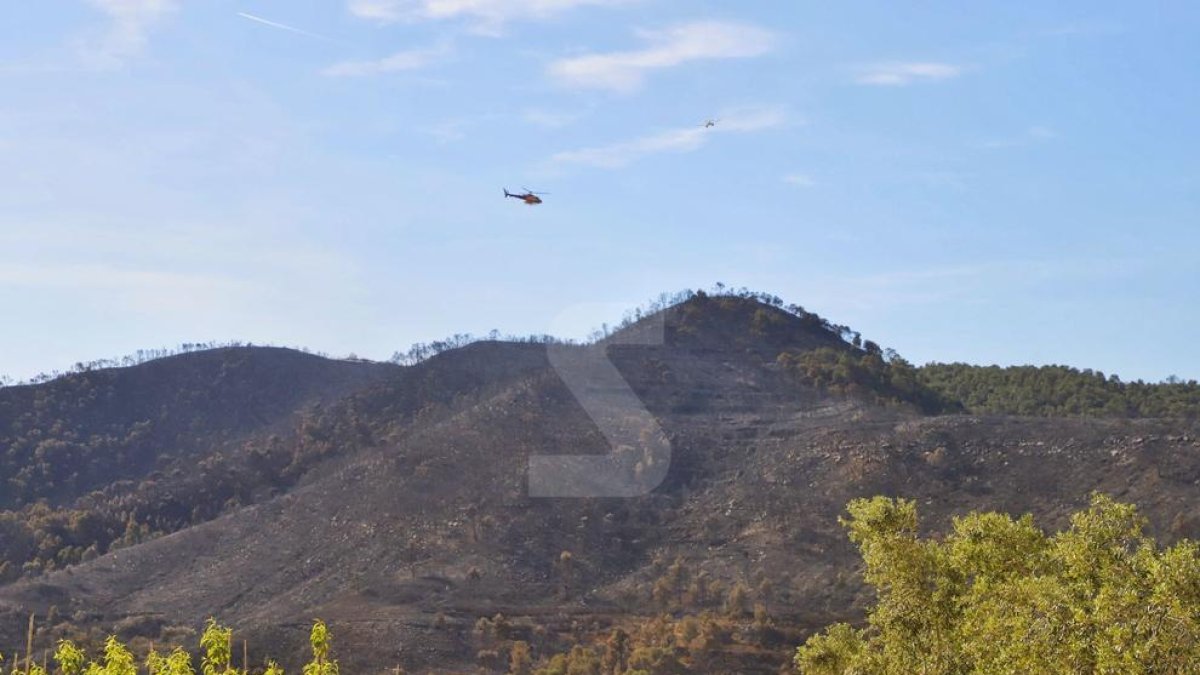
(529,197)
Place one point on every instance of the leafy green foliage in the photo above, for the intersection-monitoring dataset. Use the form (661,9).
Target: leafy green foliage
(216,657)
(216,641)
(70,659)
(320,641)
(117,659)
(997,595)
(177,662)
(865,374)
(1058,391)
(1044,391)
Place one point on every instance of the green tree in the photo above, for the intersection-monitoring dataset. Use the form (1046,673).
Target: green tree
(216,642)
(320,640)
(70,659)
(117,660)
(178,662)
(997,595)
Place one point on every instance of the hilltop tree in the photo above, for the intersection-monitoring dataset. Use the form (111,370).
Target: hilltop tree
(997,595)
(735,603)
(520,660)
(616,651)
(566,568)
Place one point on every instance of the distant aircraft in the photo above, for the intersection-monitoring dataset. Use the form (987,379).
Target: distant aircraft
(529,197)
(710,124)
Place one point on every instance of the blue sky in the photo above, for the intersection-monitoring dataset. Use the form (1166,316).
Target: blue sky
(992,183)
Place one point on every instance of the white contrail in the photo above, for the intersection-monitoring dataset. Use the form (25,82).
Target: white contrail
(284,26)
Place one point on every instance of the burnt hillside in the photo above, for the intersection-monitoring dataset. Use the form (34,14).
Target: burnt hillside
(67,437)
(399,510)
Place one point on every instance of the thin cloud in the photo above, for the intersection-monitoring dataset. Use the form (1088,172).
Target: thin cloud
(940,180)
(411,59)
(130,22)
(548,119)
(682,140)
(1032,135)
(283,26)
(800,180)
(934,285)
(626,71)
(1042,133)
(1085,28)
(897,74)
(489,16)
(449,131)
(142,290)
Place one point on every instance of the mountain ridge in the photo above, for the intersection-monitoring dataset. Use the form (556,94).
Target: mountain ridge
(399,511)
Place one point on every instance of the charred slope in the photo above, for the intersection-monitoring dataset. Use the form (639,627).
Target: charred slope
(219,476)
(86,431)
(111,458)
(418,522)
